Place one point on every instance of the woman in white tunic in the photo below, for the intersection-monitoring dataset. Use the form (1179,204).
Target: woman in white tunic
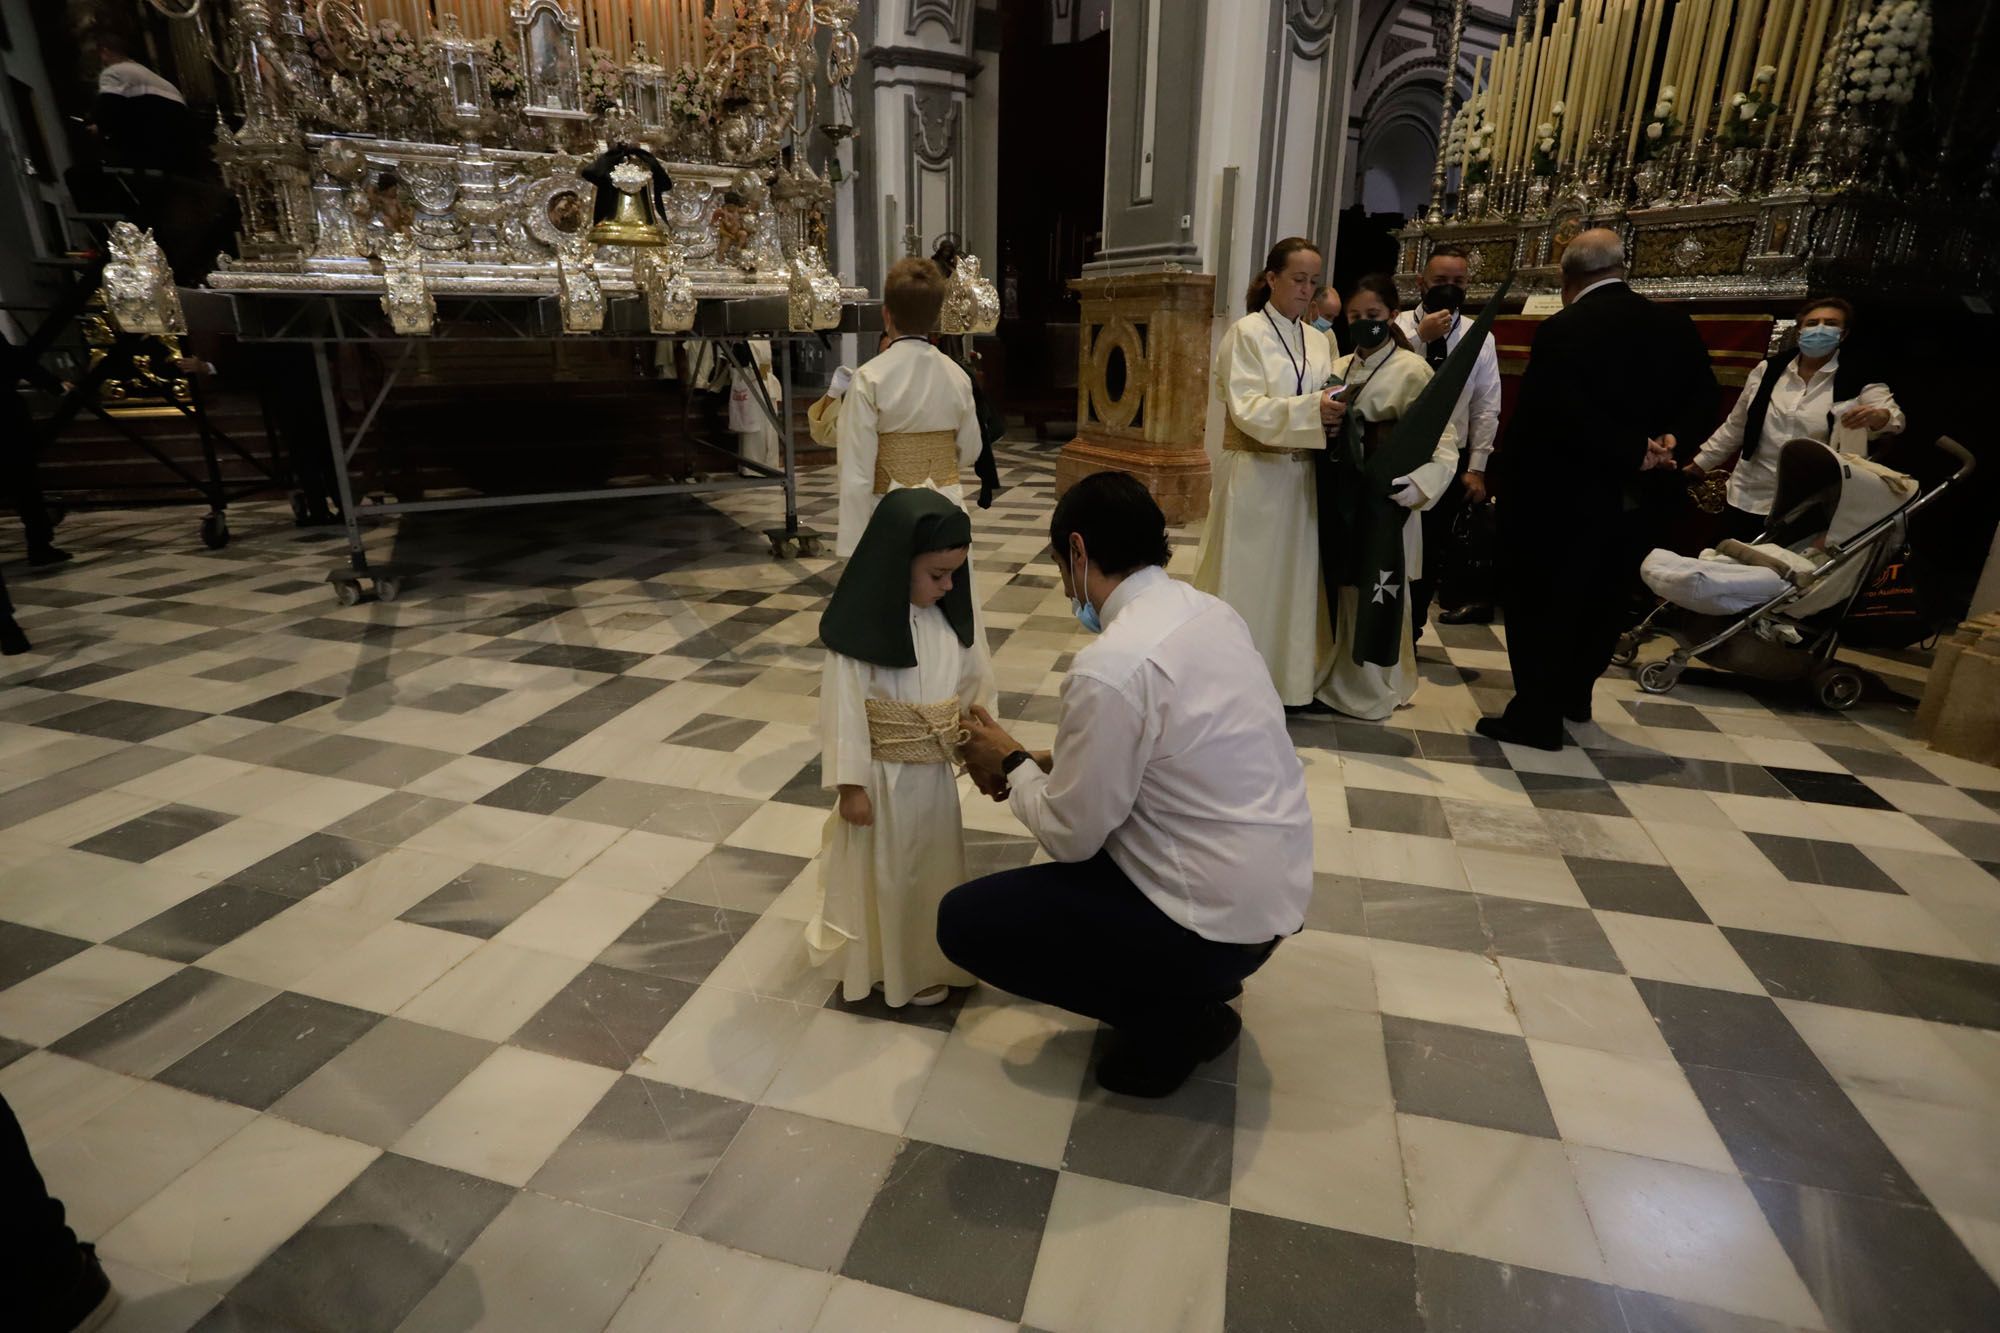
(903,663)
(1383,378)
(1260,552)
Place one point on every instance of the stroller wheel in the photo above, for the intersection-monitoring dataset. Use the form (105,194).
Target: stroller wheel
(1659,677)
(1627,651)
(1838,687)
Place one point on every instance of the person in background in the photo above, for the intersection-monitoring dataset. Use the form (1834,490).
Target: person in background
(1614,383)
(823,416)
(1806,392)
(1172,809)
(54,1284)
(1434,329)
(992,425)
(757,440)
(1329,316)
(1260,552)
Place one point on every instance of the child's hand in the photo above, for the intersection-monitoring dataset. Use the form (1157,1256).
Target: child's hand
(856,808)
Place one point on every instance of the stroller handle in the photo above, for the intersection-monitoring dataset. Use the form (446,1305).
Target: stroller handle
(1966,462)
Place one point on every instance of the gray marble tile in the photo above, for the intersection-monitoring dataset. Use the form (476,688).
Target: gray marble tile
(371,1254)
(1942,990)
(164,1022)
(1179,1144)
(243,668)
(711,732)
(154,833)
(383,1082)
(955,1227)
(1465,1294)
(1561,791)
(1648,1313)
(698,816)
(604,1016)
(832,1172)
(482,901)
(1338,904)
(1897,1267)
(540,791)
(683,941)
(1473,1077)
(1974,838)
(308,865)
(189,931)
(1627,886)
(1725,1030)
(393,820)
(1815,861)
(1291,1277)
(24,951)
(124,765)
(583,657)
(1419,914)
(1803,1133)
(34,799)
(1548,933)
(457,698)
(269,1052)
(747,876)
(283,706)
(622,803)
(1397,812)
(117,720)
(644,1151)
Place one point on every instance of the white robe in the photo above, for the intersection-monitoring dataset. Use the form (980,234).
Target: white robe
(881,885)
(910,387)
(1389,380)
(1260,552)
(757,440)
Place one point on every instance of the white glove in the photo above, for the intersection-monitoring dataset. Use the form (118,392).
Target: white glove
(841,379)
(1407,493)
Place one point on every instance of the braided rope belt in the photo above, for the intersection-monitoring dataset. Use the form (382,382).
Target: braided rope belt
(902,733)
(1235,441)
(913,457)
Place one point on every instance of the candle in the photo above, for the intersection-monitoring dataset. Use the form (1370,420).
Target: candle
(1709,95)
(1642,74)
(1503,94)
(1815,40)
(1795,28)
(1742,44)
(1545,75)
(1618,98)
(1531,91)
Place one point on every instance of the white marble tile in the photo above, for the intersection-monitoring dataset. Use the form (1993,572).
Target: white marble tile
(856,1307)
(113,1162)
(60,999)
(1889,1055)
(1507,1197)
(640,862)
(1691,953)
(1582,1007)
(576,921)
(1950,1151)
(556,847)
(1119,1259)
(786,829)
(234,1206)
(388,967)
(857,1071)
(696,1286)
(389,885)
(1506,874)
(508,1115)
(1442,986)
(1006,1082)
(91,897)
(1629,1103)
(291,945)
(1330,1163)
(495,989)
(52,1094)
(726,1042)
(1886,921)
(1692,1235)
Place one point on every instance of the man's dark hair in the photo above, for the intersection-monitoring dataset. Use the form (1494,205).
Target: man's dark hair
(1122,528)
(1448,250)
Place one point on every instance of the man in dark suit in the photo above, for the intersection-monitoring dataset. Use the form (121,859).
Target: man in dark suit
(1615,387)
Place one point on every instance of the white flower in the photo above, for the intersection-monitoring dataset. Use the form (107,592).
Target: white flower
(1881,74)
(1545,129)
(1764,74)
(1667,93)
(1872,39)
(1654,130)
(1748,111)
(1548,145)
(1556,110)
(1855,95)
(1661,110)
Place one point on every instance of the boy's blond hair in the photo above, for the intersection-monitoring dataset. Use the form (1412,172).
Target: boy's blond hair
(913,293)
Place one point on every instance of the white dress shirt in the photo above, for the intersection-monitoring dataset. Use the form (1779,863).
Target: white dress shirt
(1477,416)
(1171,753)
(1799,411)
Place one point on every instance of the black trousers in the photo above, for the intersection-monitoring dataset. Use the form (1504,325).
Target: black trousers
(37,1248)
(1082,937)
(1564,590)
(20,478)
(1742,524)
(1438,553)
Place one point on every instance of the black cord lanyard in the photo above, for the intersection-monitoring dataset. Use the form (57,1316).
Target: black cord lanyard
(1299,361)
(908,338)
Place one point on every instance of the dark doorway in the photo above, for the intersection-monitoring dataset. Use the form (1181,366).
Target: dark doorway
(1053,106)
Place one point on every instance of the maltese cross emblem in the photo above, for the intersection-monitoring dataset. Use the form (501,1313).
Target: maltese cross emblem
(1385,586)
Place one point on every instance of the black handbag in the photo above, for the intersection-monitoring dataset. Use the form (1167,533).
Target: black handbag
(1471,559)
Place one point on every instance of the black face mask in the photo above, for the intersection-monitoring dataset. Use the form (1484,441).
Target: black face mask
(1367,334)
(1444,296)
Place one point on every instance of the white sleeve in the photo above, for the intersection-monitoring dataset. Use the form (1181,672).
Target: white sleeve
(969,440)
(1878,395)
(845,757)
(976,684)
(856,461)
(1728,437)
(1280,423)
(1099,757)
(1484,419)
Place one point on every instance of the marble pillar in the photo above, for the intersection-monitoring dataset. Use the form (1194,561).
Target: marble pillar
(1142,386)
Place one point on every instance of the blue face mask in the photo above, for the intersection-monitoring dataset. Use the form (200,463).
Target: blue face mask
(1086,614)
(1819,340)
(1323,324)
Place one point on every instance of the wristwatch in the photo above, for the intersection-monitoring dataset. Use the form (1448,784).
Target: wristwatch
(1014,761)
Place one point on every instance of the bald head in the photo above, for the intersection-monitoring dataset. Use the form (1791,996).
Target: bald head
(1592,257)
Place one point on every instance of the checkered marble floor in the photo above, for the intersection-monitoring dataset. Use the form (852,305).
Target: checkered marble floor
(437,966)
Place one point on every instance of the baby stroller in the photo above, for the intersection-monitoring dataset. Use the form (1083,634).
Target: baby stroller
(1772,609)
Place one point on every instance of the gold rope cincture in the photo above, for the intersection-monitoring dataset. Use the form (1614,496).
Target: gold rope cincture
(913,457)
(905,733)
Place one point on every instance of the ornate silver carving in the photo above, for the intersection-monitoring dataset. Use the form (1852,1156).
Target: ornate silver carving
(139,288)
(815,293)
(670,300)
(578,291)
(551,68)
(406,297)
(971,302)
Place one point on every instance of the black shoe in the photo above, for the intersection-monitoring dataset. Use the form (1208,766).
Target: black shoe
(1579,715)
(1142,1069)
(41,557)
(86,1303)
(1500,729)
(12,641)
(1477,613)
(1312,709)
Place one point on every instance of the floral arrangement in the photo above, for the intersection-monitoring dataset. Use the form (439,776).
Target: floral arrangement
(1547,135)
(603,80)
(1750,111)
(1471,141)
(396,67)
(503,71)
(687,97)
(1889,58)
(1663,126)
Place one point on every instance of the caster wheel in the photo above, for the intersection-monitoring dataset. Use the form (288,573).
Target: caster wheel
(785,548)
(1838,687)
(1658,677)
(215,531)
(301,511)
(1627,651)
(388,588)
(347,594)
(811,547)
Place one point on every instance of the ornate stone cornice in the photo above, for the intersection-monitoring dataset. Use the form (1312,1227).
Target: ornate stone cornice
(923,57)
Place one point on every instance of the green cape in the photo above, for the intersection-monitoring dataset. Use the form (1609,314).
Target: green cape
(1361,528)
(869,616)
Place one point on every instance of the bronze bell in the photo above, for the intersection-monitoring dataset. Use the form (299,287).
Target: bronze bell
(631,221)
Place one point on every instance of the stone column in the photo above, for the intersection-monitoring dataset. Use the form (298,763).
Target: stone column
(1142,373)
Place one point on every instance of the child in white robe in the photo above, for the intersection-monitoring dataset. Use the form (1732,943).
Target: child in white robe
(757,440)
(903,662)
